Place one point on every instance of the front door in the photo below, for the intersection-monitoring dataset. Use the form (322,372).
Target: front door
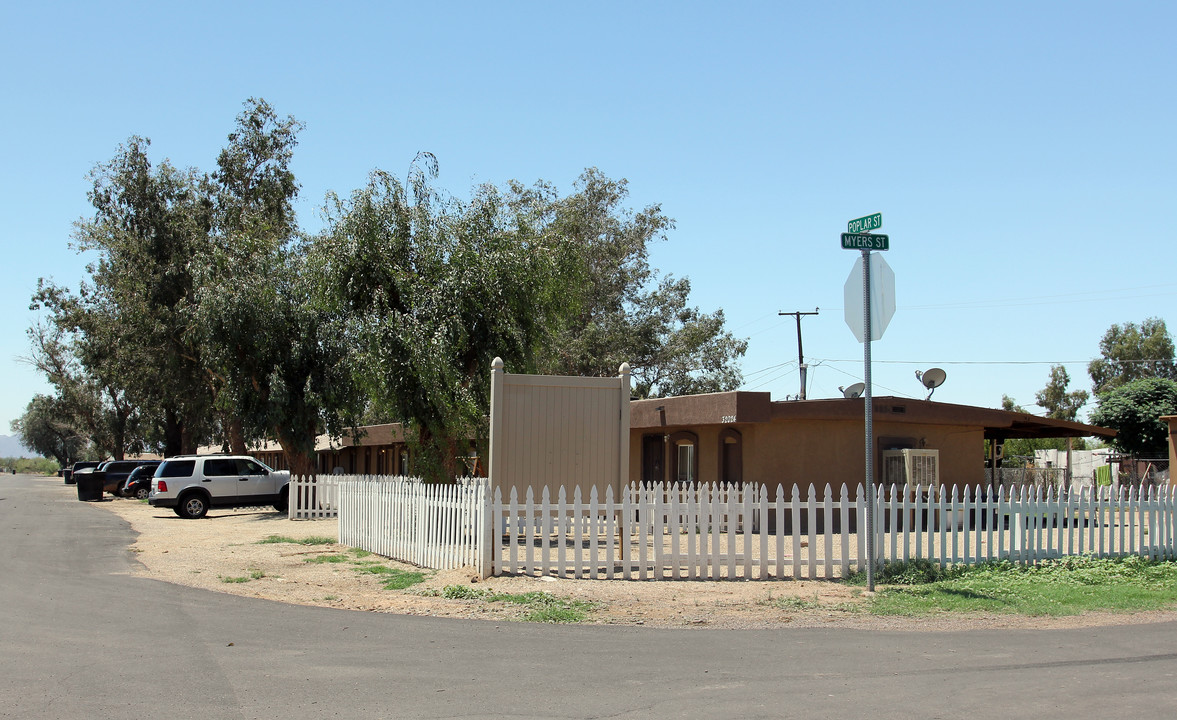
(653,459)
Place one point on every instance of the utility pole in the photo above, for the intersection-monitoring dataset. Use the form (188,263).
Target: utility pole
(800,353)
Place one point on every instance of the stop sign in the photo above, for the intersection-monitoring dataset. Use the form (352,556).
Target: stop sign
(882,297)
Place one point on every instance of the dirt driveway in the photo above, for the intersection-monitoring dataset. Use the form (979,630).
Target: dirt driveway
(225,552)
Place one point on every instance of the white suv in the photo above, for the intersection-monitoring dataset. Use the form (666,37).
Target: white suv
(191,484)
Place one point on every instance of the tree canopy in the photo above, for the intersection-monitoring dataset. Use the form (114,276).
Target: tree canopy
(1056,400)
(48,428)
(208,315)
(1130,352)
(1134,410)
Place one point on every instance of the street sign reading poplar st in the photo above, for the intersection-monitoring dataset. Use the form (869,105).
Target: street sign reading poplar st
(865,224)
(865,241)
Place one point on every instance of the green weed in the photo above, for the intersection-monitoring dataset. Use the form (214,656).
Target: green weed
(312,540)
(537,606)
(394,579)
(320,559)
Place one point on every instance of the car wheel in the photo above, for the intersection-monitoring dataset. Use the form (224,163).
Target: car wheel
(142,493)
(192,506)
(283,500)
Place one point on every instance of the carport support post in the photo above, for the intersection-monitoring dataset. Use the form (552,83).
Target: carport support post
(870,426)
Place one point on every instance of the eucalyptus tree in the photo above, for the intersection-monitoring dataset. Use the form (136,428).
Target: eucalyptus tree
(616,308)
(1058,402)
(280,374)
(1130,352)
(129,325)
(49,428)
(429,290)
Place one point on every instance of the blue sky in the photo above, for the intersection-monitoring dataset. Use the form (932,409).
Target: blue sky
(1021,154)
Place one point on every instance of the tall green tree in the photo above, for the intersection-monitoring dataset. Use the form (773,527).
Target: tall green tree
(618,309)
(282,372)
(130,324)
(430,290)
(1056,400)
(1130,352)
(49,429)
(1134,410)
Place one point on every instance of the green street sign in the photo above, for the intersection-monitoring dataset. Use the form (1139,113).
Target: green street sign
(865,224)
(865,241)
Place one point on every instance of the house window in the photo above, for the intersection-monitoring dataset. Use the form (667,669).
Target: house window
(686,462)
(684,457)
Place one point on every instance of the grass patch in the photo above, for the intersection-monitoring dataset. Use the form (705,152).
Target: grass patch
(1066,586)
(537,606)
(320,559)
(312,540)
(791,602)
(253,575)
(393,578)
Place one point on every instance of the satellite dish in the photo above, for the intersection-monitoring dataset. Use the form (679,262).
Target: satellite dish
(932,379)
(853,391)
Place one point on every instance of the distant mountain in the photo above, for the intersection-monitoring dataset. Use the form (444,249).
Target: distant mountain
(10,447)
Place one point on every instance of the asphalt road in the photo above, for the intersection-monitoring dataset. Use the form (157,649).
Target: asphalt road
(80,637)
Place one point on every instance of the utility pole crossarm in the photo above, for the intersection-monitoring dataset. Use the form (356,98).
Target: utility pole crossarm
(800,352)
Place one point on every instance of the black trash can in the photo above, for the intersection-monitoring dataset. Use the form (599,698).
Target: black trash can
(89,486)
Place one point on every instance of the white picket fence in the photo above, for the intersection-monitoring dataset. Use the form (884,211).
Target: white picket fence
(426,524)
(720,532)
(714,532)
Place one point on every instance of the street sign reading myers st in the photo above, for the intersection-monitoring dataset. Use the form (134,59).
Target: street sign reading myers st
(865,241)
(865,224)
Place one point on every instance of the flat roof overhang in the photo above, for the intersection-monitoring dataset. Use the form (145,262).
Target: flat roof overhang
(755,407)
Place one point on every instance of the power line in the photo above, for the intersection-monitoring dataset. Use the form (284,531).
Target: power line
(1004,362)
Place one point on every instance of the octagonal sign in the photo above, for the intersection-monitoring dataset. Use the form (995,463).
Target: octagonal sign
(882,297)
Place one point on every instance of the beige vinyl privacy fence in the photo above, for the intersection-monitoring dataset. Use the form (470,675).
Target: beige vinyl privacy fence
(720,532)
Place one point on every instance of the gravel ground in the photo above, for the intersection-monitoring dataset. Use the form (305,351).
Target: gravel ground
(224,553)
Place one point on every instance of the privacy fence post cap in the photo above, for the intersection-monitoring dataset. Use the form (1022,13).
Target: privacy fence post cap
(497,363)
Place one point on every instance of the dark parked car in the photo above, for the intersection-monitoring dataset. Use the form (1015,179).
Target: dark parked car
(69,472)
(138,484)
(115,472)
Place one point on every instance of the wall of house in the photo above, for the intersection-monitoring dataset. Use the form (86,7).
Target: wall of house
(804,452)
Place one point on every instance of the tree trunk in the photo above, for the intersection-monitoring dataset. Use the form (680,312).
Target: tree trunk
(173,432)
(302,463)
(187,441)
(235,429)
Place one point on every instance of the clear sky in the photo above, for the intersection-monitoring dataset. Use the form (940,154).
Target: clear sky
(1022,154)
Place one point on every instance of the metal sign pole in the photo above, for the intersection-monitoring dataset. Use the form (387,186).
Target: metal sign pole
(870,430)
